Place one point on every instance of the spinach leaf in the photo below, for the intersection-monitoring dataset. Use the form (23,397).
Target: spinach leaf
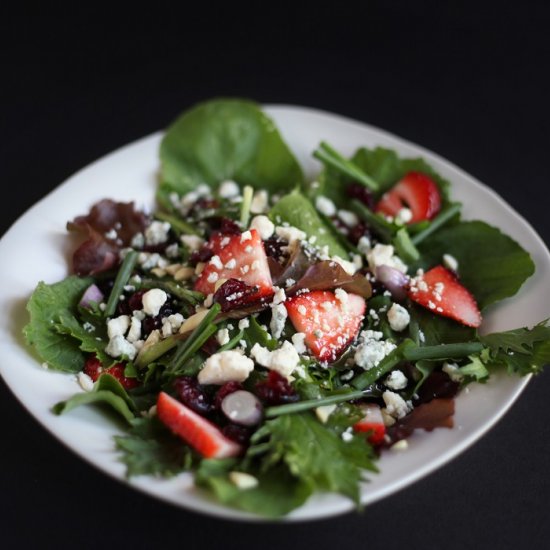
(384,166)
(298,211)
(225,139)
(47,306)
(278,492)
(492,266)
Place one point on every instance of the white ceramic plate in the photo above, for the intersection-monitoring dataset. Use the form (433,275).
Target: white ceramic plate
(130,174)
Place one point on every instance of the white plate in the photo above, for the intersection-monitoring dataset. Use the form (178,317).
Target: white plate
(130,174)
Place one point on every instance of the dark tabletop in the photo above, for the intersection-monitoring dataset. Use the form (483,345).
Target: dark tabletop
(470,84)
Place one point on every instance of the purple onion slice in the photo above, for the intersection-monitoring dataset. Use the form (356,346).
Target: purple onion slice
(395,281)
(242,407)
(91,294)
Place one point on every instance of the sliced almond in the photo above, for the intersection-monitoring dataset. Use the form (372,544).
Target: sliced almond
(172,269)
(184,273)
(193,322)
(158,271)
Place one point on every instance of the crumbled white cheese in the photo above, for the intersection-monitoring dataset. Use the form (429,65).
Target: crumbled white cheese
(383,254)
(246,236)
(298,342)
(134,333)
(138,241)
(118,326)
(85,382)
(290,234)
(372,349)
(450,262)
(324,412)
(228,189)
(398,317)
(396,406)
(283,360)
(263,225)
(156,232)
(349,267)
(364,245)
(212,277)
(452,369)
(119,346)
(348,218)
(216,262)
(325,206)
(242,480)
(225,366)
(404,216)
(153,300)
(193,242)
(396,380)
(244,324)
(400,446)
(222,336)
(278,319)
(259,202)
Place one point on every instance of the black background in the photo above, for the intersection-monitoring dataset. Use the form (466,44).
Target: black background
(468,82)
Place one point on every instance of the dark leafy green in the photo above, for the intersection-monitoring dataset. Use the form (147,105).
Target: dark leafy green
(46,306)
(225,139)
(492,266)
(150,448)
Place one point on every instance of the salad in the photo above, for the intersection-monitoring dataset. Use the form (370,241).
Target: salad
(276,336)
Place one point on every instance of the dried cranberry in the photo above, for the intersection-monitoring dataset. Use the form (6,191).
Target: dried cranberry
(234,293)
(225,390)
(358,231)
(203,254)
(225,226)
(205,203)
(135,300)
(275,390)
(191,394)
(149,324)
(274,247)
(237,433)
(437,385)
(362,194)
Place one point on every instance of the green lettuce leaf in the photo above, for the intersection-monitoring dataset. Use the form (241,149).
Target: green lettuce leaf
(278,492)
(384,166)
(150,448)
(521,351)
(492,266)
(330,463)
(107,391)
(298,211)
(225,139)
(47,306)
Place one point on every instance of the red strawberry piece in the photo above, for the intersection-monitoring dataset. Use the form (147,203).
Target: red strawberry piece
(415,191)
(329,320)
(372,422)
(206,438)
(94,369)
(440,291)
(240,257)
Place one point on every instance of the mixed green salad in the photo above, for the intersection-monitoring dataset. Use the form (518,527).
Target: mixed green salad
(275,336)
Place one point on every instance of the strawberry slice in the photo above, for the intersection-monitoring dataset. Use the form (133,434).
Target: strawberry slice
(415,191)
(94,369)
(372,422)
(330,320)
(195,430)
(240,257)
(440,291)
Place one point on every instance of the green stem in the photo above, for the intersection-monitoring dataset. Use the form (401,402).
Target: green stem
(189,346)
(437,222)
(404,246)
(190,296)
(382,227)
(154,351)
(233,343)
(443,351)
(290,408)
(325,153)
(178,225)
(122,277)
(248,194)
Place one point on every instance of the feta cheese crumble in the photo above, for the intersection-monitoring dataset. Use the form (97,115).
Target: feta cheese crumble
(225,366)
(398,317)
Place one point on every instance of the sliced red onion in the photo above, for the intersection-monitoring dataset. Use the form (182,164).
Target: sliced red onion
(395,281)
(91,294)
(242,407)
